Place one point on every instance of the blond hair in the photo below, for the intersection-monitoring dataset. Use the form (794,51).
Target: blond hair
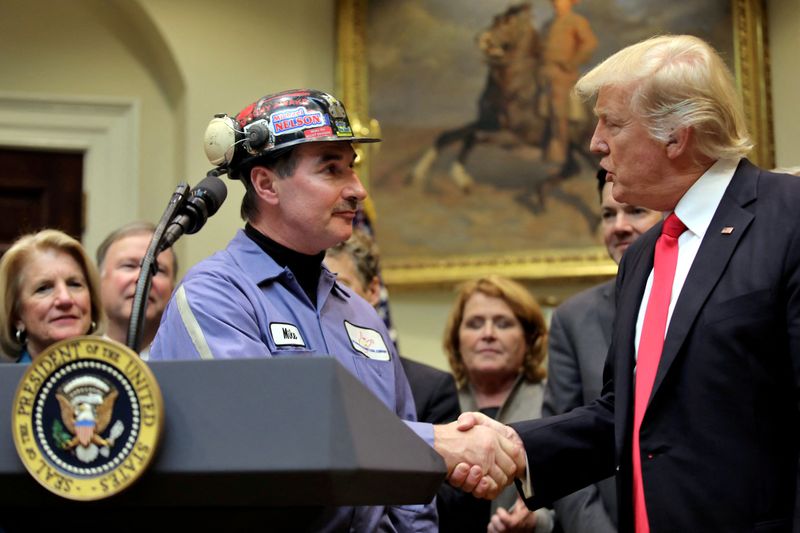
(12,267)
(677,81)
(525,309)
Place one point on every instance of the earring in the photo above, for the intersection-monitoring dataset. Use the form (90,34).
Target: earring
(21,336)
(94,326)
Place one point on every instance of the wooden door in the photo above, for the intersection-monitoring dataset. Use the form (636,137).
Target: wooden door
(40,189)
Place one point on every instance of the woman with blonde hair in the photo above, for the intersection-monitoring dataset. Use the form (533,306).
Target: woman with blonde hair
(495,340)
(50,292)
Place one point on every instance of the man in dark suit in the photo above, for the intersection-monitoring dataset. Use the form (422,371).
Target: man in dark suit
(434,392)
(580,334)
(719,424)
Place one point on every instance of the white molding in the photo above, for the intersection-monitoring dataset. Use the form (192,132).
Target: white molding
(105,129)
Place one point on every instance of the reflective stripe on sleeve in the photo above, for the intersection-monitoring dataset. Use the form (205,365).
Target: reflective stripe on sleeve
(191,325)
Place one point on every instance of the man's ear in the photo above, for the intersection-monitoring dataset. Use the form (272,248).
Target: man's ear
(678,142)
(372,292)
(264,180)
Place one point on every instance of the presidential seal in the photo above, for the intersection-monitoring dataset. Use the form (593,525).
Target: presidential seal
(86,418)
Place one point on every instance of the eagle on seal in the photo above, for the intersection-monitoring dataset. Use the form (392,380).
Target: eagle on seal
(86,421)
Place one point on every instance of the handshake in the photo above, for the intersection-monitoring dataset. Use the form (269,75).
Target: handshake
(482,455)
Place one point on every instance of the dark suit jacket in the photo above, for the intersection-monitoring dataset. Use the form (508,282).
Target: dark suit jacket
(721,433)
(434,392)
(580,334)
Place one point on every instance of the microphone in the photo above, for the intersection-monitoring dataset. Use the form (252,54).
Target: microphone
(203,201)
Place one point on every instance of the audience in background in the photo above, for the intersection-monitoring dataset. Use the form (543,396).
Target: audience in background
(580,334)
(50,293)
(495,340)
(118,259)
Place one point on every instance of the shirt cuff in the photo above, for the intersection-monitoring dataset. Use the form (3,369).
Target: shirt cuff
(525,484)
(423,430)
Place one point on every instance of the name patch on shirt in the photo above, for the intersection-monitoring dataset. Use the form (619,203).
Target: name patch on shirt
(367,342)
(286,335)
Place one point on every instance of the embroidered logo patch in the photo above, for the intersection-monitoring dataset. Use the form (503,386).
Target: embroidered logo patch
(286,335)
(367,341)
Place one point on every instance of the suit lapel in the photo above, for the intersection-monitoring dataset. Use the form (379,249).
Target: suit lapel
(712,257)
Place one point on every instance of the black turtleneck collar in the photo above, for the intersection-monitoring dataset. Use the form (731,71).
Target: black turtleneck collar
(306,268)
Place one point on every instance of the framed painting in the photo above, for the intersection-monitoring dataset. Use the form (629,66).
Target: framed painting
(484,165)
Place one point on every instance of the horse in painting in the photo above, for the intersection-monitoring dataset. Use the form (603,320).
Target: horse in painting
(510,111)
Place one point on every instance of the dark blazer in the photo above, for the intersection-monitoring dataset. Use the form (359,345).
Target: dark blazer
(580,334)
(721,433)
(434,392)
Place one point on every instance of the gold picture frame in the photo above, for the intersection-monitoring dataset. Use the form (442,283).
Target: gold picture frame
(541,265)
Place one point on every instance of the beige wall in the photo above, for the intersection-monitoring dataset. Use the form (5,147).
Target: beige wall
(230,54)
(784,36)
(181,61)
(69,49)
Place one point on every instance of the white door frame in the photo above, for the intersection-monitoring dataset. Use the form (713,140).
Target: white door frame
(105,129)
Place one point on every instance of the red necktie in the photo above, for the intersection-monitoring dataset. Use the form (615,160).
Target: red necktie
(651,343)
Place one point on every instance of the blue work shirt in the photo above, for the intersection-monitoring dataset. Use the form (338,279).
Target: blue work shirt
(240,303)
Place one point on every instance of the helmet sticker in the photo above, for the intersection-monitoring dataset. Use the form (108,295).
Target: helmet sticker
(324,131)
(296,119)
(335,107)
(343,128)
(246,115)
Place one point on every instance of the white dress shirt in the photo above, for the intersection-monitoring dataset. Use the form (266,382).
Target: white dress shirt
(695,209)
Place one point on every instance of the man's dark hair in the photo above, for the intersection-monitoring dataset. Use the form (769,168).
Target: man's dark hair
(283,164)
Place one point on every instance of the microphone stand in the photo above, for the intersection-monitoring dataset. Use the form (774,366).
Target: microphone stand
(148,268)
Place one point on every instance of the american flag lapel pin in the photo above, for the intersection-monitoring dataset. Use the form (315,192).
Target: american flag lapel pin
(727,230)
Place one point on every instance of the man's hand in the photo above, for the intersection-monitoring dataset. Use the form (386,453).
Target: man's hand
(467,478)
(479,458)
(517,519)
(468,420)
